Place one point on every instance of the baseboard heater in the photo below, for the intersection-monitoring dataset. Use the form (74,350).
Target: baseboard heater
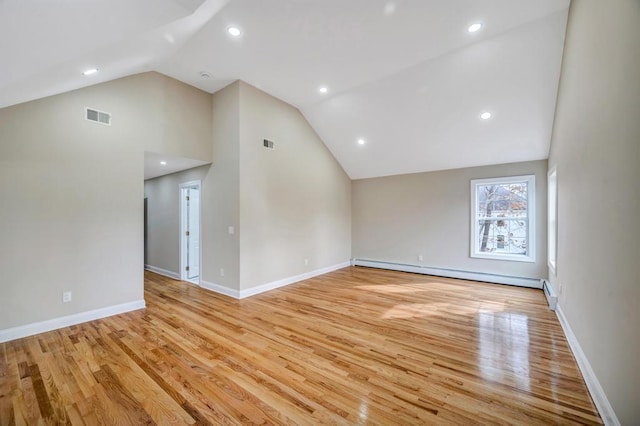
(550,294)
(451,273)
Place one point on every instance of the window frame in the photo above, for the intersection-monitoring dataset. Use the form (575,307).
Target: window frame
(552,220)
(474,249)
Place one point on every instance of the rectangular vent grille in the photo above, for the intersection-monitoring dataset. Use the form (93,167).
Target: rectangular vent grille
(100,117)
(268,144)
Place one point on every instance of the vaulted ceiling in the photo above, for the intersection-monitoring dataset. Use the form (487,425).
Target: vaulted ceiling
(403,76)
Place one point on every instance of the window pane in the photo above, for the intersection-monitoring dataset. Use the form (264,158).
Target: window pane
(502,236)
(503,220)
(518,199)
(502,200)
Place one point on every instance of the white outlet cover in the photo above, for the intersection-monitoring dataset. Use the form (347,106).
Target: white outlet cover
(231,230)
(66,297)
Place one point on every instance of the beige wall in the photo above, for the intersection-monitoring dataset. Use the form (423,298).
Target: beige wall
(74,222)
(397,218)
(75,219)
(286,205)
(221,191)
(596,148)
(163,217)
(219,202)
(186,128)
(295,200)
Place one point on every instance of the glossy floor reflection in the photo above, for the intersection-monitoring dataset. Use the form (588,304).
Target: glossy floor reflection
(356,346)
(503,339)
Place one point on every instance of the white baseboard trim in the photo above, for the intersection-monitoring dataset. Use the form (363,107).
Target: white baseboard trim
(217,288)
(597,393)
(272,285)
(286,281)
(66,321)
(452,273)
(165,272)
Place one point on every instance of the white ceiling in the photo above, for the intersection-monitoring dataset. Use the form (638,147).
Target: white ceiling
(404,75)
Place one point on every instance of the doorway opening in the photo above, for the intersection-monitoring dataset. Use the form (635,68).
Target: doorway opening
(190,231)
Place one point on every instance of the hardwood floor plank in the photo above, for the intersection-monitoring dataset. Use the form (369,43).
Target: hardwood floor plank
(355,346)
(127,405)
(46,410)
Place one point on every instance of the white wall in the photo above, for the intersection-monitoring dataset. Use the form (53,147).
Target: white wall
(397,218)
(295,200)
(596,148)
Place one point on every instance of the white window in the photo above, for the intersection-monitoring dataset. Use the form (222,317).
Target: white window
(502,218)
(552,219)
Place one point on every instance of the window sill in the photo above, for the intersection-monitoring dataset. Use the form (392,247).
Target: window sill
(506,257)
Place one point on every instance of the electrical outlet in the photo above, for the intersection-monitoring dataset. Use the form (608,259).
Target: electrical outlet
(66,296)
(222,272)
(306,261)
(420,257)
(232,230)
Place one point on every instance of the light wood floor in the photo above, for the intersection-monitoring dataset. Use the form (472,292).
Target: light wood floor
(357,346)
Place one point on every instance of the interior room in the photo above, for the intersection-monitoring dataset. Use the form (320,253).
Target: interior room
(310,212)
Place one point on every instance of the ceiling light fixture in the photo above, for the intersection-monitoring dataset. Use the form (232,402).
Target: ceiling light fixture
(205,74)
(323,89)
(474,27)
(90,71)
(234,31)
(361,142)
(389,8)
(163,163)
(485,115)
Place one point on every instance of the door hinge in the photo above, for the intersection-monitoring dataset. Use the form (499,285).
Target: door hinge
(187,197)
(187,233)
(187,268)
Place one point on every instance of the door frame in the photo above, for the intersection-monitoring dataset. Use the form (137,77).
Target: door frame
(183,226)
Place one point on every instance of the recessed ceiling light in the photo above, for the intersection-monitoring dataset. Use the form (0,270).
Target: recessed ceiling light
(163,163)
(485,115)
(389,8)
(90,71)
(474,27)
(234,31)
(323,89)
(361,142)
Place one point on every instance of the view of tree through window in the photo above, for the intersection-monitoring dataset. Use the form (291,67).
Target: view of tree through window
(502,216)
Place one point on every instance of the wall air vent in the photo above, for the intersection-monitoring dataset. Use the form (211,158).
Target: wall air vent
(268,144)
(100,117)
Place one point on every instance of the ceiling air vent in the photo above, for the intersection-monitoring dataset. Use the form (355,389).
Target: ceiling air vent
(268,144)
(98,116)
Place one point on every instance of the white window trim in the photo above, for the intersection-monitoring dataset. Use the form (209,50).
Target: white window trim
(552,220)
(531,208)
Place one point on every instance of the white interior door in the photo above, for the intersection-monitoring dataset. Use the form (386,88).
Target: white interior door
(193,239)
(190,231)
